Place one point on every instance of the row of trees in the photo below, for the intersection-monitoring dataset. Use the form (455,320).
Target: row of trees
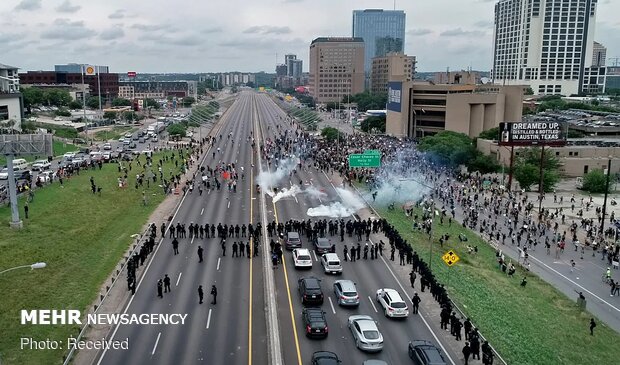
(365,101)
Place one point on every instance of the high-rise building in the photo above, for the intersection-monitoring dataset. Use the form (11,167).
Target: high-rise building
(391,67)
(546,44)
(288,60)
(599,54)
(295,68)
(383,32)
(336,68)
(281,70)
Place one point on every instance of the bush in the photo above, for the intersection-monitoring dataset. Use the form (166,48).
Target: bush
(595,181)
(62,112)
(373,124)
(177,130)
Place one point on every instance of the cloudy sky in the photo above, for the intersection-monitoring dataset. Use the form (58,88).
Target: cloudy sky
(241,35)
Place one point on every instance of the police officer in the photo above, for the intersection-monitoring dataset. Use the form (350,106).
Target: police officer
(416,302)
(214,294)
(175,246)
(412,277)
(200,294)
(234,246)
(166,284)
(160,288)
(200,253)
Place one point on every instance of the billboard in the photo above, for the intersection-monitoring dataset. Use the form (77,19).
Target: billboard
(395,91)
(532,134)
(131,74)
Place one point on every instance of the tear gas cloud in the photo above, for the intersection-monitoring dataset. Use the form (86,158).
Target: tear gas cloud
(268,180)
(350,204)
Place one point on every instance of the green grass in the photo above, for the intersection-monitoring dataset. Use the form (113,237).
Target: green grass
(114,133)
(532,325)
(81,237)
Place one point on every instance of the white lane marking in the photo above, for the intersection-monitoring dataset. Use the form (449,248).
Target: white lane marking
(314,254)
(219,259)
(202,211)
(229,204)
(192,241)
(179,278)
(209,192)
(331,304)
(209,318)
(373,304)
(156,342)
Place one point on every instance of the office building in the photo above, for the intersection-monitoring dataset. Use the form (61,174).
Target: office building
(545,44)
(336,68)
(108,81)
(11,100)
(599,54)
(76,68)
(288,60)
(281,70)
(392,67)
(423,108)
(236,78)
(295,68)
(383,31)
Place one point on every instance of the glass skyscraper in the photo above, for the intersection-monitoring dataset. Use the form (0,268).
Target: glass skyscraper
(383,31)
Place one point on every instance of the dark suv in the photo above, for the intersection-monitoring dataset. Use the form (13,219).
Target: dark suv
(322,245)
(314,322)
(425,353)
(325,358)
(310,291)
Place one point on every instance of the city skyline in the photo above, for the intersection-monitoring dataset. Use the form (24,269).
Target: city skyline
(236,35)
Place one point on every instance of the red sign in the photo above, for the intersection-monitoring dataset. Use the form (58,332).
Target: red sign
(131,74)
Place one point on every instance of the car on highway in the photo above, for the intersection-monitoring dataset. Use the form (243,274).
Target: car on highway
(107,146)
(392,303)
(310,291)
(315,322)
(128,135)
(365,333)
(325,358)
(322,245)
(69,155)
(17,172)
(155,139)
(132,145)
(121,139)
(425,353)
(46,176)
(374,362)
(292,240)
(40,165)
(331,263)
(346,293)
(302,258)
(135,137)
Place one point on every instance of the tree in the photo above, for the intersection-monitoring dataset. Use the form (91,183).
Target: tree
(330,133)
(152,103)
(595,181)
(447,147)
(74,104)
(56,97)
(367,101)
(188,100)
(529,91)
(373,123)
(121,102)
(485,164)
(491,134)
(33,96)
(110,115)
(28,127)
(527,175)
(177,130)
(62,112)
(532,156)
(93,102)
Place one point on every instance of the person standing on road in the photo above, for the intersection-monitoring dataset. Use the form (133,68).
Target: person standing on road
(160,288)
(175,246)
(200,294)
(223,247)
(200,250)
(166,284)
(466,352)
(214,294)
(412,277)
(416,302)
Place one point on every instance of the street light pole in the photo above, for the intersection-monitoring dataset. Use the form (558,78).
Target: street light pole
(36,265)
(606,192)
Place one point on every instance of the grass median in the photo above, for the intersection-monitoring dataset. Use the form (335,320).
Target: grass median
(114,133)
(81,236)
(535,324)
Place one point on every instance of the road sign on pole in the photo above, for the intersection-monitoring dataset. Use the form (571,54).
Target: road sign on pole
(450,258)
(364,160)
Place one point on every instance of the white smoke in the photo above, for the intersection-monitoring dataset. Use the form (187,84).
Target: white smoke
(268,180)
(350,204)
(284,193)
(315,193)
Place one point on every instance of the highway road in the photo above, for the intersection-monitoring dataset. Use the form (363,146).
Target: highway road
(232,331)
(368,275)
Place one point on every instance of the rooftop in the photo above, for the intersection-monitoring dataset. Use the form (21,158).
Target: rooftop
(7,67)
(337,39)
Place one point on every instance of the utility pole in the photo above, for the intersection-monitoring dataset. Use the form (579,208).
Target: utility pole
(540,184)
(606,192)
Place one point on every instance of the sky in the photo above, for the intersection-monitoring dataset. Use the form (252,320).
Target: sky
(241,35)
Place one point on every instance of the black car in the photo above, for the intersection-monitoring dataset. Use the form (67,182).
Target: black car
(322,245)
(325,358)
(314,322)
(425,353)
(310,291)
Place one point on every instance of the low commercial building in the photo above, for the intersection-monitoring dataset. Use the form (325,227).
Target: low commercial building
(11,100)
(107,81)
(416,109)
(577,158)
(157,89)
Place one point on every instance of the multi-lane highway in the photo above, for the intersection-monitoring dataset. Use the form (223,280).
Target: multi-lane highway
(234,331)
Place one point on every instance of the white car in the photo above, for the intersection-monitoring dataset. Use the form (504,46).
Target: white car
(107,146)
(69,155)
(41,165)
(331,263)
(46,176)
(365,333)
(302,258)
(392,303)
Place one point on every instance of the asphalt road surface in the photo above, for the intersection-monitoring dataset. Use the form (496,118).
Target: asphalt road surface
(233,330)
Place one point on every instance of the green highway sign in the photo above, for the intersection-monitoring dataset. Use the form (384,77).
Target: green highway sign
(372,152)
(364,160)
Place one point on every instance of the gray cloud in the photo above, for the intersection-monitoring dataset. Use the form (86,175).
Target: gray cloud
(419,32)
(67,30)
(118,14)
(188,40)
(112,33)
(10,38)
(458,32)
(267,29)
(212,30)
(484,24)
(66,7)
(28,5)
(154,27)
